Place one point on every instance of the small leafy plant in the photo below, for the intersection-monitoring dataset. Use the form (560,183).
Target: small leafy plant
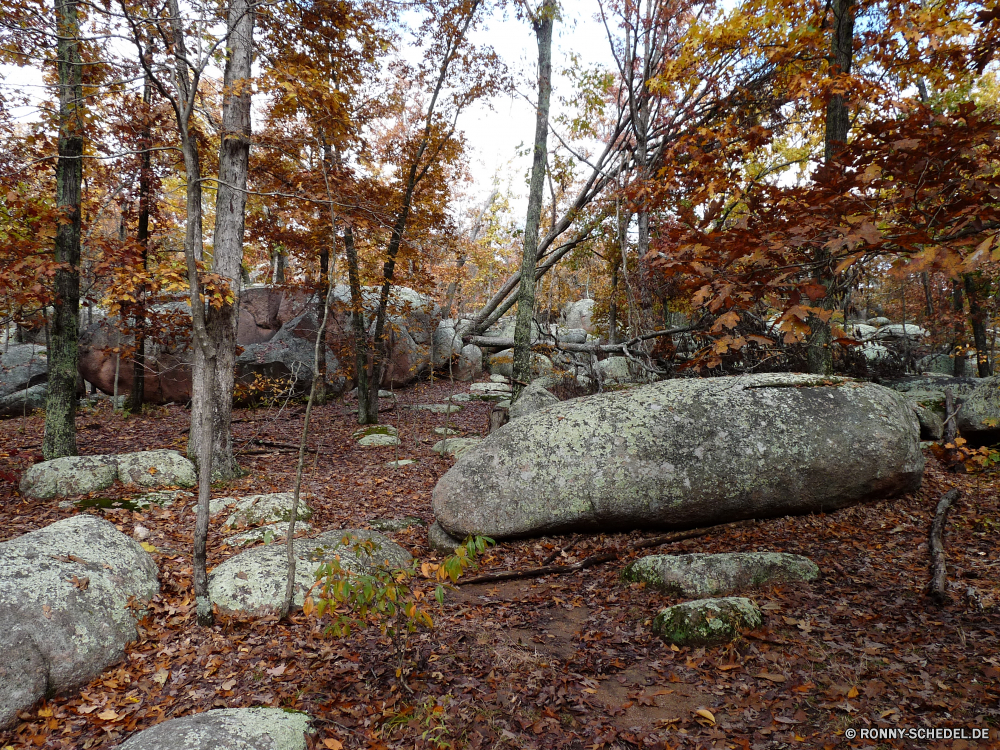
(394,599)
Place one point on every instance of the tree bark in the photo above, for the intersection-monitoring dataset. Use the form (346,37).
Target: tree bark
(322,303)
(63,352)
(227,258)
(543,22)
(938,588)
(367,406)
(977,289)
(819,355)
(142,237)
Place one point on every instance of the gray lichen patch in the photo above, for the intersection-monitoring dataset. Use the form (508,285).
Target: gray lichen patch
(438,408)
(375,429)
(706,621)
(455,446)
(231,728)
(71,475)
(160,468)
(705,575)
(272,532)
(379,441)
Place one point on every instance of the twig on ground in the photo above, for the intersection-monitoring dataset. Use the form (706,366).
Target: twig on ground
(603,557)
(937,589)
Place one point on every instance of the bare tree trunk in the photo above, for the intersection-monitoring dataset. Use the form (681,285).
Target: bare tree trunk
(63,352)
(958,307)
(838,122)
(367,406)
(977,289)
(322,303)
(230,213)
(543,21)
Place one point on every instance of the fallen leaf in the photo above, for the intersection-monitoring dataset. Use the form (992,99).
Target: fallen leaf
(80,583)
(772,677)
(706,714)
(152,469)
(277,671)
(333,744)
(852,693)
(148,547)
(160,677)
(108,715)
(229,684)
(47,611)
(86,709)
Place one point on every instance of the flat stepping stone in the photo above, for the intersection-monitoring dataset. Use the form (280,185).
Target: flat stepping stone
(163,498)
(374,429)
(445,431)
(500,387)
(378,441)
(254,580)
(499,379)
(461,397)
(702,575)
(395,524)
(400,463)
(232,728)
(272,532)
(160,468)
(706,621)
(455,446)
(438,408)
(259,510)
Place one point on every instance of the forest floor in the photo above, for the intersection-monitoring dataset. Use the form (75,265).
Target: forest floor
(555,662)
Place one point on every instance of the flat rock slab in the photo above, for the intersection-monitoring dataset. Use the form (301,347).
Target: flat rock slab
(438,408)
(272,532)
(445,431)
(704,575)
(255,580)
(64,616)
(227,729)
(78,475)
(400,463)
(374,429)
(395,524)
(706,621)
(257,510)
(683,453)
(455,446)
(379,441)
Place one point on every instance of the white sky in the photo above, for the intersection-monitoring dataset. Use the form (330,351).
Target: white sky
(494,130)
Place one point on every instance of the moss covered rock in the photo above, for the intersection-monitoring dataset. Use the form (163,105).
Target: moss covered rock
(701,575)
(684,453)
(706,621)
(257,510)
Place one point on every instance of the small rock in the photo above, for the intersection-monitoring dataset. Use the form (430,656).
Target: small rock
(268,533)
(445,431)
(257,510)
(378,440)
(455,446)
(140,533)
(160,468)
(701,575)
(237,728)
(440,540)
(706,621)
(163,498)
(395,524)
(438,408)
(461,397)
(70,475)
(255,580)
(374,429)
(499,379)
(400,463)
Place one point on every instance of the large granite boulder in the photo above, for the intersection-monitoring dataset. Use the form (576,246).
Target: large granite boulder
(578,315)
(502,363)
(227,729)
(64,614)
(255,580)
(980,412)
(532,399)
(159,468)
(701,575)
(24,402)
(683,453)
(977,401)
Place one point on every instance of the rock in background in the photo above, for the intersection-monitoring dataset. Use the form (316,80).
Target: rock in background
(227,729)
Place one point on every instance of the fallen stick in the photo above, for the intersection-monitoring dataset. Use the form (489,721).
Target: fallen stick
(603,557)
(937,589)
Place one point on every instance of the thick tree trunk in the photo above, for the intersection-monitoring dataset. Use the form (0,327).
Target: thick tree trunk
(543,24)
(142,237)
(227,259)
(838,123)
(63,353)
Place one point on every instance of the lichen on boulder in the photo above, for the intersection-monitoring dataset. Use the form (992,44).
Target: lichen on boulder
(706,621)
(257,728)
(705,575)
(257,510)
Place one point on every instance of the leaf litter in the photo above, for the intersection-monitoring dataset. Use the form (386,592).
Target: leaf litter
(550,662)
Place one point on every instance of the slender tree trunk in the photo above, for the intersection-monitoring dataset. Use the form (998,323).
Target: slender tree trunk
(142,237)
(542,23)
(977,289)
(367,406)
(63,353)
(227,258)
(322,297)
(958,306)
(838,122)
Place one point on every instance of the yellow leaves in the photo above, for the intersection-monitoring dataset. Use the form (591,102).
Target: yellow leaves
(148,547)
(332,744)
(704,713)
(160,676)
(108,715)
(729,320)
(308,606)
